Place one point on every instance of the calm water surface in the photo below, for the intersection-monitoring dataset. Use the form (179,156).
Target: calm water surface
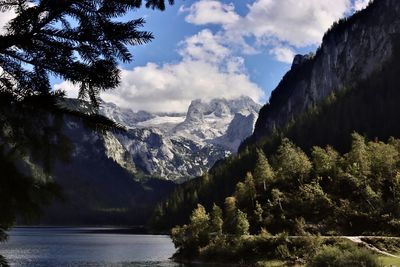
(45,247)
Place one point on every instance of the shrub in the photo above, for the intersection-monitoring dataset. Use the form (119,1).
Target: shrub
(330,256)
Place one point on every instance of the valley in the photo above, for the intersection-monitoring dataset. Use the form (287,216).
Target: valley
(172,160)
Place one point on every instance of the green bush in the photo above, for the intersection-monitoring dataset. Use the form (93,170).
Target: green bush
(338,257)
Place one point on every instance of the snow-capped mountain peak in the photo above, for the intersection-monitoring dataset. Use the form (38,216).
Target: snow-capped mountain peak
(208,121)
(181,145)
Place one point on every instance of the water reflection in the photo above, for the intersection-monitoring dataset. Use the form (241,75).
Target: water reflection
(45,247)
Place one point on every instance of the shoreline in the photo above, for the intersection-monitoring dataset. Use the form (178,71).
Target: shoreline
(207,263)
(97,229)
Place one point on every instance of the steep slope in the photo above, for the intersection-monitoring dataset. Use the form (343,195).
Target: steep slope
(351,51)
(220,122)
(96,189)
(178,146)
(367,104)
(113,176)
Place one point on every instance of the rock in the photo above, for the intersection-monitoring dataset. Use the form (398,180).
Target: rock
(169,146)
(352,50)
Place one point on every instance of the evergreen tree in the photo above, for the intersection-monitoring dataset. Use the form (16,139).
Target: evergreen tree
(358,160)
(250,188)
(78,41)
(325,161)
(230,214)
(199,221)
(242,225)
(246,191)
(216,220)
(384,158)
(292,162)
(263,173)
(258,217)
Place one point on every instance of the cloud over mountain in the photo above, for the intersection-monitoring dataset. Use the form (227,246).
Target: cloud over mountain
(280,26)
(212,62)
(207,70)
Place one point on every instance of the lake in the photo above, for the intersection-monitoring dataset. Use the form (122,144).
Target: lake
(92,247)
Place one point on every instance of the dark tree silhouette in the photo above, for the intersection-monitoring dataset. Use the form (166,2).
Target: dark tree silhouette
(80,41)
(77,40)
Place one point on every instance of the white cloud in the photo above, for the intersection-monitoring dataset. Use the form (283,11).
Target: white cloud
(5,17)
(204,46)
(298,22)
(172,87)
(360,4)
(8,15)
(210,12)
(272,24)
(210,66)
(71,90)
(207,70)
(283,54)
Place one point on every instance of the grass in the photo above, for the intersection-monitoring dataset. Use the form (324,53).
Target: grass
(390,261)
(275,263)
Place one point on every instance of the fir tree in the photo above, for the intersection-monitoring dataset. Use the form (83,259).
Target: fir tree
(263,173)
(78,41)
(242,225)
(216,220)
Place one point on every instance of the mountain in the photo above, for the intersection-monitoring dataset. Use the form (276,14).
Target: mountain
(352,50)
(99,186)
(113,176)
(176,146)
(350,85)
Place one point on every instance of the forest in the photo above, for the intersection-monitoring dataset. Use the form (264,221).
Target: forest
(288,206)
(370,108)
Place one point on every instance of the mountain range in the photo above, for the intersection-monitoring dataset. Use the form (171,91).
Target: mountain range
(350,84)
(118,176)
(175,146)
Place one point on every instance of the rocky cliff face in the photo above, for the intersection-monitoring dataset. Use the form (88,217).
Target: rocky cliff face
(176,146)
(169,146)
(353,49)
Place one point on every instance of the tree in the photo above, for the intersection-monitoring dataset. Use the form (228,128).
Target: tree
(199,224)
(277,198)
(292,162)
(325,161)
(258,216)
(250,187)
(358,160)
(263,173)
(242,225)
(79,41)
(216,220)
(241,192)
(230,214)
(246,191)
(314,200)
(190,238)
(394,204)
(384,158)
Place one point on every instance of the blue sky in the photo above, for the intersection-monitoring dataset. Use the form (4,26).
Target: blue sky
(209,48)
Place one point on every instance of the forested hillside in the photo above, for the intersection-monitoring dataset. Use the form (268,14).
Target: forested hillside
(368,106)
(293,195)
(352,50)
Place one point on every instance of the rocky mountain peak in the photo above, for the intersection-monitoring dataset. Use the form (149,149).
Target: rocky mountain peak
(299,60)
(220,107)
(168,145)
(351,50)
(208,121)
